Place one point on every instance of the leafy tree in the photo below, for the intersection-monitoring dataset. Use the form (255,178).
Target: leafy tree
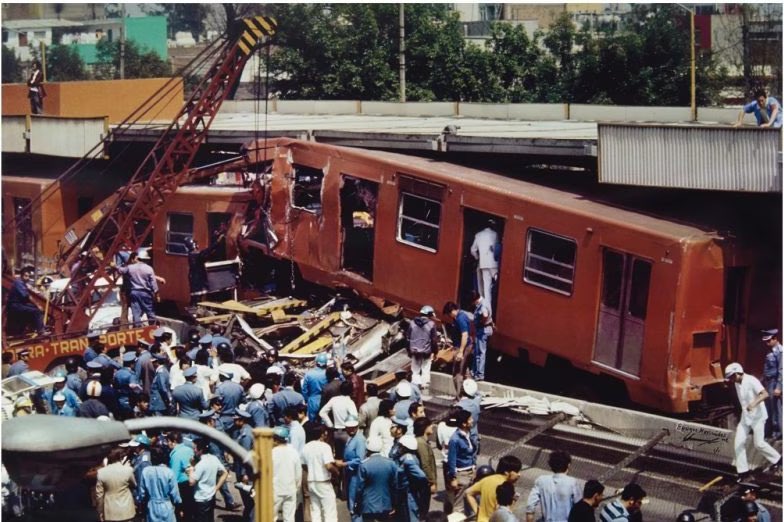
(182,17)
(11,67)
(64,64)
(139,62)
(519,61)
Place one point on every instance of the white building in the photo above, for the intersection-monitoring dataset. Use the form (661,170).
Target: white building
(23,35)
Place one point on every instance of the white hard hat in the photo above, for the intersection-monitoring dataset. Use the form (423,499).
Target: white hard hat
(94,389)
(470,387)
(732,369)
(403,389)
(374,444)
(257,390)
(408,442)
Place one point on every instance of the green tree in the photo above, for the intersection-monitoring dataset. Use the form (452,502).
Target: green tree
(182,17)
(519,61)
(12,68)
(139,62)
(64,64)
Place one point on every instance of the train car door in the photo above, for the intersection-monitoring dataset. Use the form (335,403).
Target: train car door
(622,310)
(475,222)
(358,224)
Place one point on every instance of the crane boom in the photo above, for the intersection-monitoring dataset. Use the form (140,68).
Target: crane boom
(129,218)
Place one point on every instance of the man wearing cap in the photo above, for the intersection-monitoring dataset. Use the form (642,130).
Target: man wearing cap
(143,288)
(353,455)
(404,376)
(60,408)
(748,493)
(285,398)
(772,372)
(376,493)
(751,395)
(93,374)
(259,413)
(93,408)
(125,382)
(422,344)
(93,341)
(312,385)
(204,343)
(400,425)
(632,499)
(20,366)
(104,359)
(470,400)
(160,390)
(243,435)
(232,394)
(140,459)
(188,397)
(413,482)
(286,475)
(403,393)
(461,460)
(145,373)
(59,388)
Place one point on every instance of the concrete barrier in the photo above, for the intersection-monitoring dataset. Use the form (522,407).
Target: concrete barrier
(719,115)
(67,137)
(423,109)
(14,133)
(515,111)
(619,113)
(317,106)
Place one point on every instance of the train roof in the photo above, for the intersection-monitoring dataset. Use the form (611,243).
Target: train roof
(443,172)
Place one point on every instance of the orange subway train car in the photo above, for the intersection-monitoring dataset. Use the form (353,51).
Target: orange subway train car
(654,306)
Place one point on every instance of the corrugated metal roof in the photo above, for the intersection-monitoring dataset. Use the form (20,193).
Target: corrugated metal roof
(691,157)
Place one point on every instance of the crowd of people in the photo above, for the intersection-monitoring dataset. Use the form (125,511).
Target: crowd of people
(336,438)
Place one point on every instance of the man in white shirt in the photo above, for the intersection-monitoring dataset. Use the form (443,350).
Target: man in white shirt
(484,251)
(751,395)
(381,426)
(342,408)
(321,466)
(286,475)
(208,476)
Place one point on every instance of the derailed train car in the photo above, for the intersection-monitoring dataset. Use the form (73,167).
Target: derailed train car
(652,305)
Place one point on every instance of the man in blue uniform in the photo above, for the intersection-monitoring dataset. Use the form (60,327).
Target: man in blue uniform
(232,395)
(376,492)
(312,384)
(160,390)
(19,307)
(143,287)
(188,397)
(243,435)
(20,366)
(285,398)
(257,408)
(125,384)
(93,342)
(772,374)
(353,455)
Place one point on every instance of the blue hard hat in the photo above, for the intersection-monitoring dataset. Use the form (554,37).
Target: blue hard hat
(143,439)
(322,359)
(280,432)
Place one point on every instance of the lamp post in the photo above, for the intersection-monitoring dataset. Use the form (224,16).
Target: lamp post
(693,87)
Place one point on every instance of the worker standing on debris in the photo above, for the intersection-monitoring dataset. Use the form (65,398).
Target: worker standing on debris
(144,287)
(312,385)
(751,395)
(462,341)
(422,346)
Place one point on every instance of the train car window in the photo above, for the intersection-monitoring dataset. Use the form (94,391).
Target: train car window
(612,280)
(549,261)
(419,220)
(178,227)
(641,279)
(306,191)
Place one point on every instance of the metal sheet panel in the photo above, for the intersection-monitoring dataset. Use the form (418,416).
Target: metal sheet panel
(691,156)
(14,139)
(66,137)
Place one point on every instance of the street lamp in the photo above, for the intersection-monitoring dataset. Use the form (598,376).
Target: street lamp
(693,64)
(47,452)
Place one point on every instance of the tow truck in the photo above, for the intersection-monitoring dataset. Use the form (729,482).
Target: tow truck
(124,220)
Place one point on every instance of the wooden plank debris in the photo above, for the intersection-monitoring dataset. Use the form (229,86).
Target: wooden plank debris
(311,334)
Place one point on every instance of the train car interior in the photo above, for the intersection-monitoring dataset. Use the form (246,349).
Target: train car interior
(358,199)
(474,221)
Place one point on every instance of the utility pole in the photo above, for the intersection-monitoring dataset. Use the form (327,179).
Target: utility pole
(693,69)
(402,54)
(43,61)
(122,41)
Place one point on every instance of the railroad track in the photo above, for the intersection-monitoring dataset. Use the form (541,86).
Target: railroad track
(668,473)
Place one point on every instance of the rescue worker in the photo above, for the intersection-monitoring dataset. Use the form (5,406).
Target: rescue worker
(286,475)
(285,398)
(19,308)
(93,344)
(20,366)
(232,395)
(60,407)
(751,395)
(353,455)
(257,408)
(312,385)
(772,372)
(376,495)
(470,400)
(422,346)
(188,397)
(144,287)
(160,390)
(748,493)
(93,408)
(158,489)
(243,435)
(412,481)
(125,384)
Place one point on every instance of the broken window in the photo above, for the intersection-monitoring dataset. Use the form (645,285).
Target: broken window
(419,220)
(306,192)
(549,261)
(178,227)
